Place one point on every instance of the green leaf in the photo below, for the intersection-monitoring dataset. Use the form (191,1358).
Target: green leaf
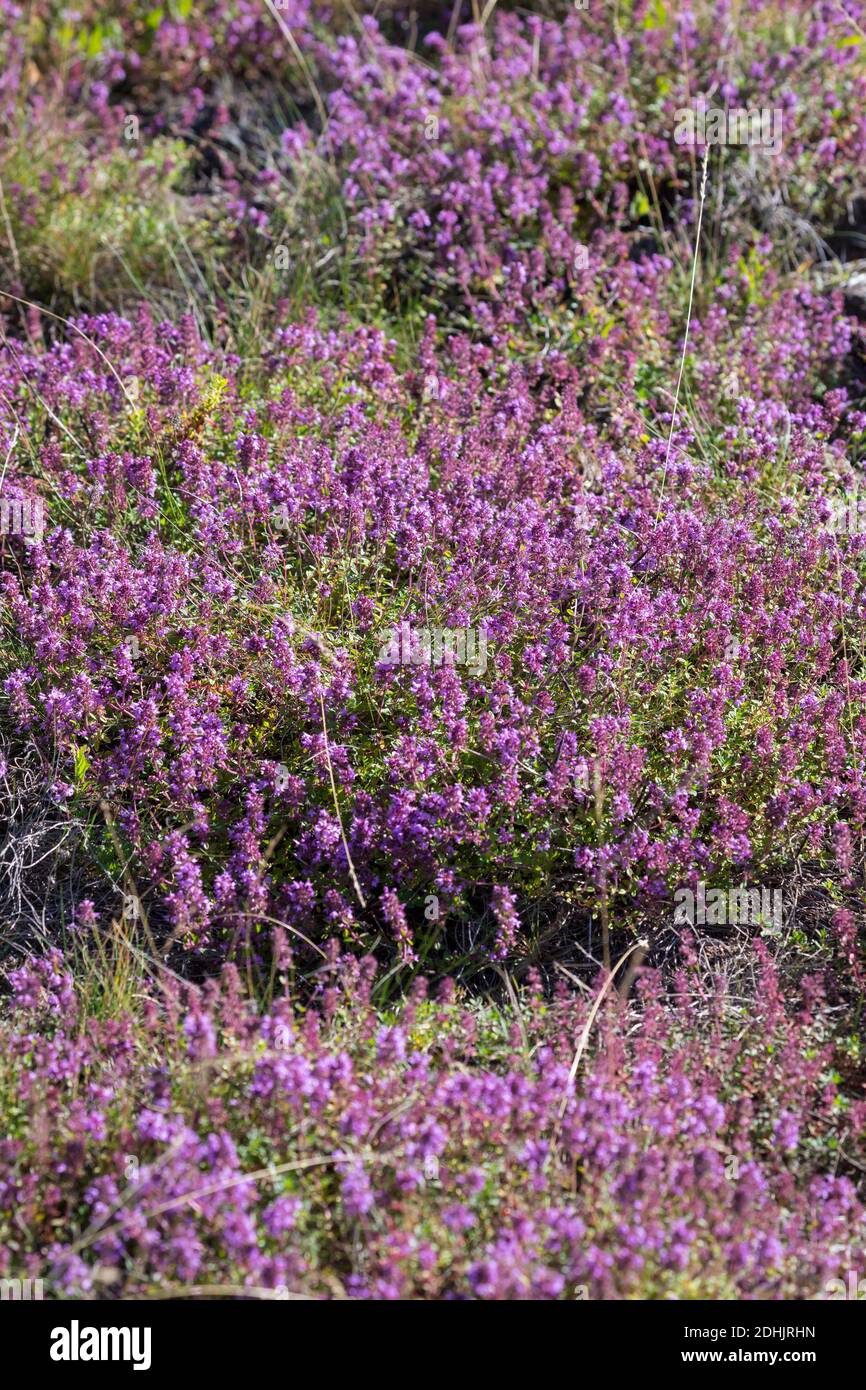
(657,17)
(81,764)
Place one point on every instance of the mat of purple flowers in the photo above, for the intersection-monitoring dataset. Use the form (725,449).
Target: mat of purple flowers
(431,541)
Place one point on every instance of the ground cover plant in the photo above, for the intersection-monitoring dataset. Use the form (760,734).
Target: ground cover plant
(433,687)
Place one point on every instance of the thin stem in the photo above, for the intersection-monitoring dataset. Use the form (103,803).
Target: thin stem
(354,876)
(703,195)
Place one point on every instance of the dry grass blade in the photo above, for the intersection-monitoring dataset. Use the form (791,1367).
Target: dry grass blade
(584,1037)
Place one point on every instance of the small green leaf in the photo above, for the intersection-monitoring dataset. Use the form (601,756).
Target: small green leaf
(657,17)
(81,764)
